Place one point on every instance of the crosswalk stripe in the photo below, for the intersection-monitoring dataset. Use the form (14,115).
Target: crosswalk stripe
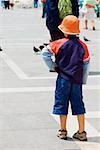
(21,75)
(13,66)
(41,89)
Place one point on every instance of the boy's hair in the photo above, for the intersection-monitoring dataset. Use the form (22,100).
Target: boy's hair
(70,25)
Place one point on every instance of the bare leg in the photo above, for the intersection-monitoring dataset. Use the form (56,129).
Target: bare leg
(81,122)
(86,24)
(63,119)
(93,25)
(62,133)
(81,135)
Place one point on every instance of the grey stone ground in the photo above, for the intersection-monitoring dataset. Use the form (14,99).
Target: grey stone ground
(26,98)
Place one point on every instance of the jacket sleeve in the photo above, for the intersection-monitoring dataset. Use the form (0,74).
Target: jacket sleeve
(86,57)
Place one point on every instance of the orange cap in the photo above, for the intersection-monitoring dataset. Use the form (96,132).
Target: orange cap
(70,25)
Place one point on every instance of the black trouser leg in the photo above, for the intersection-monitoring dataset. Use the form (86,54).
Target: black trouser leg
(8,4)
(56,34)
(44,10)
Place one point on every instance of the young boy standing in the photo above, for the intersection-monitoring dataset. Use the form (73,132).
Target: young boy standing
(70,55)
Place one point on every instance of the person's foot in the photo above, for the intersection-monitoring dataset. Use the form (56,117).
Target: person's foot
(62,134)
(80,136)
(93,28)
(41,47)
(85,39)
(45,44)
(0,49)
(52,70)
(35,49)
(86,28)
(43,16)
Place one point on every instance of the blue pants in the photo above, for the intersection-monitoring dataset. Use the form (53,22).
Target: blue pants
(68,92)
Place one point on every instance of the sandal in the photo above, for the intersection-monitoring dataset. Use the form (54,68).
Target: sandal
(62,134)
(80,136)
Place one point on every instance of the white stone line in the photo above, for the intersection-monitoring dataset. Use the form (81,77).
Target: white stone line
(42,78)
(13,66)
(41,89)
(21,75)
(26,89)
(91,87)
(90,114)
(94,76)
(21,40)
(54,77)
(88,145)
(72,127)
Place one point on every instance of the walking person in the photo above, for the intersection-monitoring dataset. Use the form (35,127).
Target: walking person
(70,56)
(89,6)
(43,8)
(11,4)
(35,3)
(2,3)
(53,19)
(98,8)
(52,22)
(6,4)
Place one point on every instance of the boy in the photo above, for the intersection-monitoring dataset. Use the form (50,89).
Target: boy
(70,55)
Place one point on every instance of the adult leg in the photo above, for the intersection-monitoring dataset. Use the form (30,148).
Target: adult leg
(43,11)
(86,24)
(8,4)
(93,24)
(56,34)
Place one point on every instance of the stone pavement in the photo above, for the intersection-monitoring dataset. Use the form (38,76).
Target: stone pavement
(27,88)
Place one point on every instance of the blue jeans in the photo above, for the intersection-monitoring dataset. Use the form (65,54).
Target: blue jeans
(66,92)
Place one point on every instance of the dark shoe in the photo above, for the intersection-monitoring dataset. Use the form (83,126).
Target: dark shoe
(50,40)
(41,47)
(52,70)
(86,28)
(85,39)
(80,136)
(93,28)
(35,49)
(43,16)
(45,44)
(0,49)
(62,134)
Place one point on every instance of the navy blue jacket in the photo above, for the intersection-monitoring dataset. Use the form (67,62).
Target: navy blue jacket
(69,58)
(52,13)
